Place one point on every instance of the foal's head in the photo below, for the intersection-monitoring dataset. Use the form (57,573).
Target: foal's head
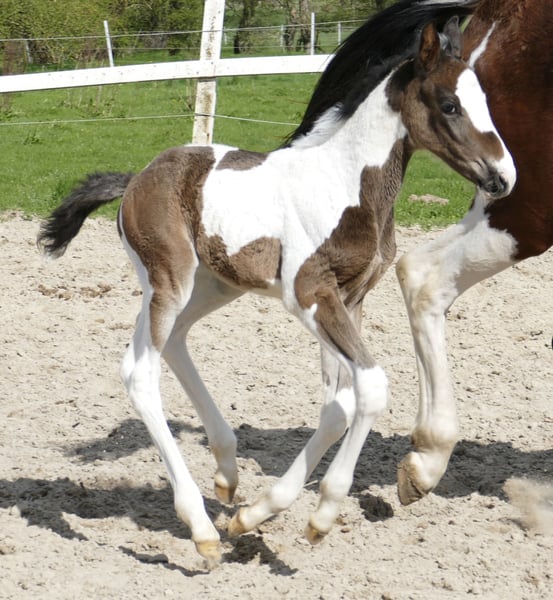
(444,110)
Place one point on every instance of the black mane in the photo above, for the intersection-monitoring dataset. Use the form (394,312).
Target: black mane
(371,52)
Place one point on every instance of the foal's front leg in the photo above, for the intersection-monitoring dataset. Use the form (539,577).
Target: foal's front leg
(370,390)
(432,277)
(336,415)
(356,393)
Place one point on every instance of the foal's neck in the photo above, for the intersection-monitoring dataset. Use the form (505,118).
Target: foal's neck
(370,136)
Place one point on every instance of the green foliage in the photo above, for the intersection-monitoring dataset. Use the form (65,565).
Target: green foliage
(43,22)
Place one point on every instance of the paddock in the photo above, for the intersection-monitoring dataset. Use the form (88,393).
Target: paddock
(86,508)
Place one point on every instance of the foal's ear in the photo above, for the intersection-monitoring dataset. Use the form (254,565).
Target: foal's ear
(430,49)
(452,31)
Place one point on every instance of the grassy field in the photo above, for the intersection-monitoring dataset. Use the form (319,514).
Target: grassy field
(52,139)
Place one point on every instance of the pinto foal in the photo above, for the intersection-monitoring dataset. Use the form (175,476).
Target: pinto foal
(310,223)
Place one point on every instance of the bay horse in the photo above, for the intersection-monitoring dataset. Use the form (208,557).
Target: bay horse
(509,44)
(310,223)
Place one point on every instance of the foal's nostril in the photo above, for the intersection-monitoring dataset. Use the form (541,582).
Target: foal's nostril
(496,185)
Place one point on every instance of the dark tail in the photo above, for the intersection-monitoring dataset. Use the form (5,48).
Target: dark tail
(66,220)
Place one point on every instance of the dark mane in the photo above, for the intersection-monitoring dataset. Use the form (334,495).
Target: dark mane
(371,52)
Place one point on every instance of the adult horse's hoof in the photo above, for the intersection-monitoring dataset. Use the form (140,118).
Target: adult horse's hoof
(407,488)
(211,552)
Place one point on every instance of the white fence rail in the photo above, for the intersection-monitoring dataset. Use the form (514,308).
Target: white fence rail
(189,69)
(206,70)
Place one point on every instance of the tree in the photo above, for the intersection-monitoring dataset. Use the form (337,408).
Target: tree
(242,36)
(41,21)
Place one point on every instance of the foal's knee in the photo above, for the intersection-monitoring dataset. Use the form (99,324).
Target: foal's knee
(372,391)
(336,416)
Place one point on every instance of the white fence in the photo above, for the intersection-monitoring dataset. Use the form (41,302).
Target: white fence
(207,69)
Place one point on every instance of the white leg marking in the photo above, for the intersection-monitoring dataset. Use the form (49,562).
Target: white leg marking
(336,415)
(371,387)
(140,371)
(432,277)
(207,296)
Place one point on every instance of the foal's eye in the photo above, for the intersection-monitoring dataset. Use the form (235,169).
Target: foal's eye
(449,108)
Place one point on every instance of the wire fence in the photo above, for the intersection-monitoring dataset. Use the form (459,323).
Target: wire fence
(19,55)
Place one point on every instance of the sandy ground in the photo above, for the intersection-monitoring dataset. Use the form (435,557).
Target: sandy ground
(85,506)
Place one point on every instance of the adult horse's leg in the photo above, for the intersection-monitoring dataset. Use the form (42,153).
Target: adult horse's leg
(432,276)
(208,295)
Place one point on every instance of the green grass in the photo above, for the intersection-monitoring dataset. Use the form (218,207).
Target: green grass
(40,163)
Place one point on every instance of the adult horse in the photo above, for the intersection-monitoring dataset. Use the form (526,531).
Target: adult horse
(310,223)
(509,44)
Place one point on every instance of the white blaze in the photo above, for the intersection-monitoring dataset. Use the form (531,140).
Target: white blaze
(474,103)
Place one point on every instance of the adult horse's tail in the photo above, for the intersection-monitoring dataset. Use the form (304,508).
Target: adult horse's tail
(66,220)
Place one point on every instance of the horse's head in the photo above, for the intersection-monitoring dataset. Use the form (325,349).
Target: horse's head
(445,111)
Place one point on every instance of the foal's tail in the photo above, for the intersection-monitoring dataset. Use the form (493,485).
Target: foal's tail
(66,220)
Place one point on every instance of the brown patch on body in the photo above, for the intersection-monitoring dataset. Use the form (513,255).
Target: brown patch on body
(161,217)
(241,160)
(255,266)
(352,260)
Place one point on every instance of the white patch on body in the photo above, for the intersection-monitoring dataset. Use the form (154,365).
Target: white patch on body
(485,250)
(298,194)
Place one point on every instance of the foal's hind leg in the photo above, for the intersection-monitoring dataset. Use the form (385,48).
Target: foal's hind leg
(208,295)
(140,372)
(432,277)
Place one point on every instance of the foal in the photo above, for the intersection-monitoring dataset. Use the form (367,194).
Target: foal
(310,223)
(509,44)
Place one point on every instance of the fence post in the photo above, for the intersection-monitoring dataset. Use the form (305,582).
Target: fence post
(206,90)
(108,44)
(312,44)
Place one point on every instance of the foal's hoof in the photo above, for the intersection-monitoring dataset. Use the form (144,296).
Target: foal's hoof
(236,527)
(407,489)
(314,536)
(211,552)
(224,494)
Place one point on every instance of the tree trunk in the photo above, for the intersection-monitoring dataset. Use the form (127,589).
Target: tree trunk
(242,39)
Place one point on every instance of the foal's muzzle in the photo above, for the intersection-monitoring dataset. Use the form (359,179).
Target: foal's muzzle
(496,185)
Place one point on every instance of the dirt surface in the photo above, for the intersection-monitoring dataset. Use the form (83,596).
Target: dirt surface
(85,506)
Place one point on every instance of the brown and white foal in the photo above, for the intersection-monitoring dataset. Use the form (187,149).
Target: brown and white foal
(310,223)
